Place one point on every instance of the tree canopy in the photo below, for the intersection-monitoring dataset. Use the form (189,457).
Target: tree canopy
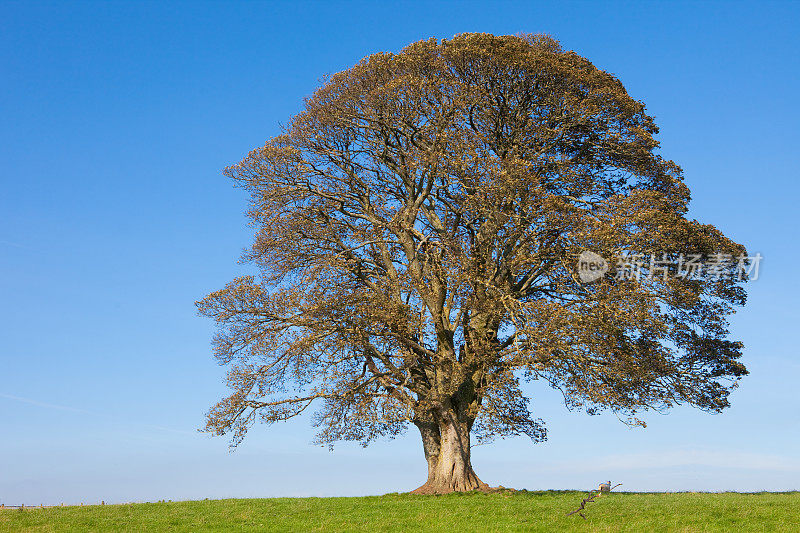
(418,226)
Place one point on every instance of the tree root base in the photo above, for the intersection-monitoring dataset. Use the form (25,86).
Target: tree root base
(429,489)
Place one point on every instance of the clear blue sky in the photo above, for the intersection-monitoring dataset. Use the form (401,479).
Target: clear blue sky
(114,218)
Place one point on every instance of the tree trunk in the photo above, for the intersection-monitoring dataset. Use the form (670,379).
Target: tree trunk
(447,450)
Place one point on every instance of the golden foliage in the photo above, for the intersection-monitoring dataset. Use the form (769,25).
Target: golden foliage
(417,230)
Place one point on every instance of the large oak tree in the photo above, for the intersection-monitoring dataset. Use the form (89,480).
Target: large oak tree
(418,225)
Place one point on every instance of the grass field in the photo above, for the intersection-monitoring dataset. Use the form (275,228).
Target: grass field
(520,511)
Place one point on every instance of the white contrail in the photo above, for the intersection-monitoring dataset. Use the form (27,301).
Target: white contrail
(43,404)
(14,244)
(87,412)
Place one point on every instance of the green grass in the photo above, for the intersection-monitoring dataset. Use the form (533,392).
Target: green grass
(521,511)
